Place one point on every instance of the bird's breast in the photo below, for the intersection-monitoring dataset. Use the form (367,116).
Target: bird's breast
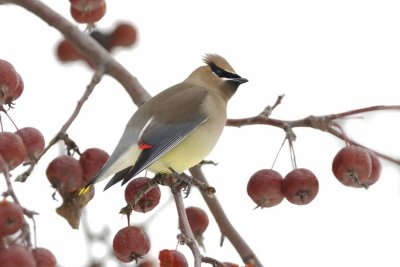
(196,146)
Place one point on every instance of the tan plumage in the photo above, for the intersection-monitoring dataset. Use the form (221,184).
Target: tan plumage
(177,128)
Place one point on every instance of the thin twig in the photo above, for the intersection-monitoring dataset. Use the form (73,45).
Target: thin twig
(96,78)
(25,230)
(185,228)
(127,210)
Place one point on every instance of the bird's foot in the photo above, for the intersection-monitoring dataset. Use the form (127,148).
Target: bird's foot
(181,182)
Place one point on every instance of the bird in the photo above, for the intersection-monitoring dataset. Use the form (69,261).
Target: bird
(177,128)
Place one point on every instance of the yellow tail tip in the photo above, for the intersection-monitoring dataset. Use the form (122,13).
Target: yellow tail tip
(85,189)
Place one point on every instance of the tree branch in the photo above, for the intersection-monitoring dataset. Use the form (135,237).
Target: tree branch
(226,227)
(185,227)
(85,44)
(324,123)
(62,132)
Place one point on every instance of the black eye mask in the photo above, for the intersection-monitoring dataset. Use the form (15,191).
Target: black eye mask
(222,73)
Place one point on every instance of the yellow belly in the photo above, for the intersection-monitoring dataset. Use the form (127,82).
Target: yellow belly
(190,151)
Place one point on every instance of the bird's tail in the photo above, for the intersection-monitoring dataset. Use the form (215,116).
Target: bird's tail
(86,188)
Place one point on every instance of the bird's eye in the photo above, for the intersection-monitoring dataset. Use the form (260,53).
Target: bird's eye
(222,73)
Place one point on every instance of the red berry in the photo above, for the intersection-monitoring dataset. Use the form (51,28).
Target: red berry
(66,52)
(172,258)
(130,243)
(11,218)
(88,15)
(19,89)
(92,160)
(12,149)
(198,220)
(124,35)
(300,186)
(376,168)
(9,80)
(33,140)
(44,257)
(352,166)
(148,201)
(16,256)
(265,188)
(84,5)
(12,95)
(65,174)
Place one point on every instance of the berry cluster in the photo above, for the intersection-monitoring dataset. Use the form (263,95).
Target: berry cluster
(131,243)
(356,166)
(123,35)
(11,83)
(87,11)
(353,166)
(268,188)
(24,145)
(16,255)
(12,221)
(67,175)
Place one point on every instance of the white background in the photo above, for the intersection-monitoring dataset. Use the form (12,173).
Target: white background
(325,56)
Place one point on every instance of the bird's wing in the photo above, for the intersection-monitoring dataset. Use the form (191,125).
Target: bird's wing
(116,159)
(157,139)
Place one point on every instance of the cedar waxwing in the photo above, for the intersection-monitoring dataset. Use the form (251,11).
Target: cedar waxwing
(177,128)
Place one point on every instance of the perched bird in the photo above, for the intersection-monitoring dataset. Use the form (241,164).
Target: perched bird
(177,128)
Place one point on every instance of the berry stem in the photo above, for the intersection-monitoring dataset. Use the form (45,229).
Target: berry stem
(325,123)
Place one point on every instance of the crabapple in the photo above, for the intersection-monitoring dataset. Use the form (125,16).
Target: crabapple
(123,35)
(130,243)
(265,188)
(11,218)
(15,256)
(12,149)
(172,258)
(9,80)
(89,16)
(198,220)
(14,94)
(92,160)
(352,166)
(300,186)
(33,140)
(376,168)
(44,257)
(65,174)
(66,52)
(84,5)
(148,201)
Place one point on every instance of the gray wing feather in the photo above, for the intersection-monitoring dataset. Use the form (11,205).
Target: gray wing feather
(162,137)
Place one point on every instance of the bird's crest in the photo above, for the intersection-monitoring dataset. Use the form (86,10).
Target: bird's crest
(217,60)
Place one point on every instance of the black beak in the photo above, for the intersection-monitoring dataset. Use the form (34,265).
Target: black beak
(238,80)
